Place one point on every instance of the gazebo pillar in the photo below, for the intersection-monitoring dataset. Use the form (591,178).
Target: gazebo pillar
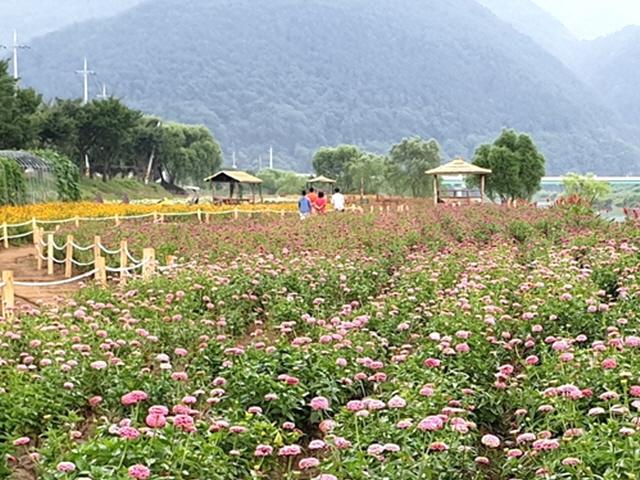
(435,190)
(482,178)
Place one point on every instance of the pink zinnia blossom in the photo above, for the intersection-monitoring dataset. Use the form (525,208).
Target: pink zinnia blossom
(308,463)
(139,472)
(609,363)
(290,451)
(155,420)
(21,441)
(490,441)
(66,467)
(319,403)
(133,397)
(263,450)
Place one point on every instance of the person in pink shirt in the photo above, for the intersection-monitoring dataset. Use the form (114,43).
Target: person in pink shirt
(320,205)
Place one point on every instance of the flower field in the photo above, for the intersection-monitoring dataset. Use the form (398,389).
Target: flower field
(61,211)
(476,343)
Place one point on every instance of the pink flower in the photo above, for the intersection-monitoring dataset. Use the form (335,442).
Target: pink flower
(515,453)
(129,433)
(263,450)
(290,451)
(317,445)
(98,365)
(571,461)
(634,390)
(355,405)
(155,420)
(482,460)
(21,441)
(319,403)
(95,401)
(308,463)
(397,402)
(532,360)
(66,467)
(431,423)
(438,447)
(133,397)
(184,423)
(490,441)
(326,476)
(432,363)
(159,410)
(139,472)
(609,363)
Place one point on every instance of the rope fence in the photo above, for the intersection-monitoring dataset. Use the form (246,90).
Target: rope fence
(158,217)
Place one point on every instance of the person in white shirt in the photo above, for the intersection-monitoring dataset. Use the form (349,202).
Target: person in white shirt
(337,200)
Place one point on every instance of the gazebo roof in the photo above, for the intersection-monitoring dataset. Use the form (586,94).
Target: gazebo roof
(458,167)
(233,176)
(321,179)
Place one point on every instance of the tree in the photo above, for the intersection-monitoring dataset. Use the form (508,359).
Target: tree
(516,164)
(367,173)
(334,162)
(17,109)
(586,187)
(408,162)
(105,134)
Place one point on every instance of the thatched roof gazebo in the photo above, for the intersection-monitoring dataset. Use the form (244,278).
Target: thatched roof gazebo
(321,180)
(235,178)
(458,167)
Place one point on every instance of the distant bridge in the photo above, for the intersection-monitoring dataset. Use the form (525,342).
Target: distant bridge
(555,181)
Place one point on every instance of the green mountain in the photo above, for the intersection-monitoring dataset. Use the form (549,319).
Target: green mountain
(530,19)
(611,65)
(32,18)
(300,74)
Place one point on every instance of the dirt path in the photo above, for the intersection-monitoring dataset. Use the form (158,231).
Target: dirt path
(22,261)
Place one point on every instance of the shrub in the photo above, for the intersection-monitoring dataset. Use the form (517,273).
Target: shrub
(66,172)
(12,182)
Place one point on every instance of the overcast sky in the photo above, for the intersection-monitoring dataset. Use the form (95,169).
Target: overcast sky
(593,18)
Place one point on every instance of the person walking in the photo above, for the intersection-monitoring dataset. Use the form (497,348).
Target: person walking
(320,206)
(312,196)
(337,200)
(304,206)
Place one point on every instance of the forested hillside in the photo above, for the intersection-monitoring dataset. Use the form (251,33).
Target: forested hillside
(528,18)
(301,74)
(611,65)
(36,17)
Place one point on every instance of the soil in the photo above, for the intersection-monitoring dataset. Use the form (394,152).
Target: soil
(22,261)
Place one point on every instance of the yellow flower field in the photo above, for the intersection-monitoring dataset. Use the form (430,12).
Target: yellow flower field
(61,211)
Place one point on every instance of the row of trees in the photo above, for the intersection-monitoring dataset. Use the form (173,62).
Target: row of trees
(517,166)
(106,137)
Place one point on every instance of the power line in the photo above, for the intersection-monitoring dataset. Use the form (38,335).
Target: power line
(85,72)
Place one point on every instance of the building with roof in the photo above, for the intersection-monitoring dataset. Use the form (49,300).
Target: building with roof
(235,179)
(462,195)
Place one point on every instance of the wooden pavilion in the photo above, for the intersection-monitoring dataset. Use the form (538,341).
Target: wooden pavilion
(236,179)
(458,196)
(321,180)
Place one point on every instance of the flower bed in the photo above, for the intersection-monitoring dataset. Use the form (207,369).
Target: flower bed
(477,343)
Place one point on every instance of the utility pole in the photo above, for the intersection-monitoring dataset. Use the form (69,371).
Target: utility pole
(233,160)
(85,72)
(147,176)
(103,95)
(270,158)
(259,162)
(16,47)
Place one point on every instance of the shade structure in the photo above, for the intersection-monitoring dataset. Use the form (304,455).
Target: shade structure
(233,178)
(322,179)
(458,167)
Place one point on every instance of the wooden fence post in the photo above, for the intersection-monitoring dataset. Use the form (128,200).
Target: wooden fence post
(282,214)
(50,254)
(8,295)
(97,241)
(149,263)
(101,271)
(371,209)
(171,260)
(235,213)
(68,263)
(117,220)
(124,261)
(5,235)
(34,227)
(155,217)
(199,216)
(77,221)
(162,218)
(207,218)
(38,246)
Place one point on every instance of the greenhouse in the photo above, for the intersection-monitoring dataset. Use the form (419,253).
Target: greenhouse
(39,178)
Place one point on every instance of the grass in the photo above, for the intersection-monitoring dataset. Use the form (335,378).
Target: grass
(116,189)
